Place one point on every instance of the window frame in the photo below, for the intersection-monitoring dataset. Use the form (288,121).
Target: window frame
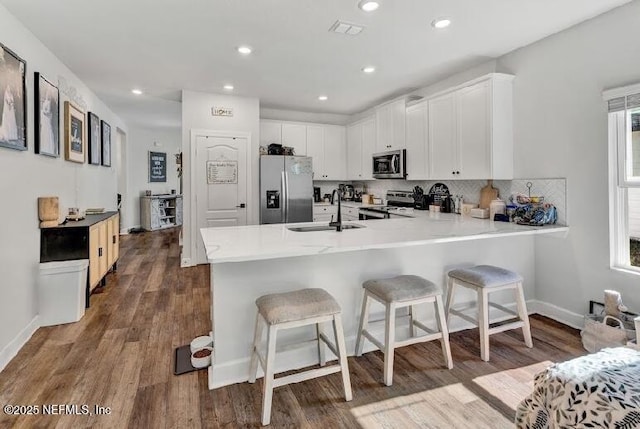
(620,155)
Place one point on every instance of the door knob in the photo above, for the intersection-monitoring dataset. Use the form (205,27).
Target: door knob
(242,205)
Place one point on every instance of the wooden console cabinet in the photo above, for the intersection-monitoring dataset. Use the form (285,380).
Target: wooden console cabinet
(96,238)
(160,211)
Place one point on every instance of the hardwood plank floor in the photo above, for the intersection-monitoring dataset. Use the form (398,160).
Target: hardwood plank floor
(120,355)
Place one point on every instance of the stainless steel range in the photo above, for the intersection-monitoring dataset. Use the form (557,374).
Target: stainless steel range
(399,204)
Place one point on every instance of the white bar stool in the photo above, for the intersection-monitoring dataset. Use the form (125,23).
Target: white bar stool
(292,310)
(485,279)
(399,292)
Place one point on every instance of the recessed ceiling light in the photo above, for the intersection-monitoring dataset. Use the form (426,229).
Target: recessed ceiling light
(244,50)
(136,91)
(368,5)
(369,69)
(228,87)
(323,98)
(441,23)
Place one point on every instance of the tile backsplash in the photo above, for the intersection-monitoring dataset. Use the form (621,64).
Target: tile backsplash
(553,190)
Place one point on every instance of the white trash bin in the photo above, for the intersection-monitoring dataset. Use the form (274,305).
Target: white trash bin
(62,291)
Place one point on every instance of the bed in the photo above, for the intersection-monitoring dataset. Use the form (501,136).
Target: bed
(597,390)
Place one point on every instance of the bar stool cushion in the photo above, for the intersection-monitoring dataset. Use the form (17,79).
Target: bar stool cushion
(297,305)
(402,288)
(486,276)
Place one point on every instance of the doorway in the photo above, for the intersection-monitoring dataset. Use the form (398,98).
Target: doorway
(121,172)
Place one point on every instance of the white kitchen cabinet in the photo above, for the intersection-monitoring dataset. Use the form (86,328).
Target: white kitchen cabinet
(442,137)
(326,144)
(390,126)
(295,136)
(349,213)
(270,132)
(324,213)
(418,142)
(471,131)
(361,139)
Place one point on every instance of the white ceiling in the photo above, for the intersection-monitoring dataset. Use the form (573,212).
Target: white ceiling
(163,46)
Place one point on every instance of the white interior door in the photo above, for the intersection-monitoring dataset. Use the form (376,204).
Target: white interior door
(221,184)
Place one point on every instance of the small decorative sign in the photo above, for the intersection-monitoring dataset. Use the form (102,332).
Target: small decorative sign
(157,166)
(222,172)
(222,111)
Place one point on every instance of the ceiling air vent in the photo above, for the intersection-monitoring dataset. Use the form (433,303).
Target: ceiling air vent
(342,27)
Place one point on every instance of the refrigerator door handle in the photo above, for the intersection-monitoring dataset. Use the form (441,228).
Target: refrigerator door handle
(286,197)
(283,179)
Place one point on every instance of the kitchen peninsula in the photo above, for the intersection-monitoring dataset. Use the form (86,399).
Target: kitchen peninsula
(250,261)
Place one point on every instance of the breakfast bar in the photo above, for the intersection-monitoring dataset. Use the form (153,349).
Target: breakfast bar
(250,261)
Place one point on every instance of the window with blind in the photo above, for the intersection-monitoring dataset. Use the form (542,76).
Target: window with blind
(624,175)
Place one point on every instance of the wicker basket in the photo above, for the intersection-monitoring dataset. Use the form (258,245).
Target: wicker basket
(598,334)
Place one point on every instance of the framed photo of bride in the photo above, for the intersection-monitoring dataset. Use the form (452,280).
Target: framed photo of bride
(74,133)
(13,100)
(47,114)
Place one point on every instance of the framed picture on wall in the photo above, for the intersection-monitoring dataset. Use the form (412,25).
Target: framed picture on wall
(47,114)
(106,144)
(157,166)
(74,134)
(13,100)
(94,139)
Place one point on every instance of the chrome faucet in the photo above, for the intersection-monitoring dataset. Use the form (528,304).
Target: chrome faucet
(337,223)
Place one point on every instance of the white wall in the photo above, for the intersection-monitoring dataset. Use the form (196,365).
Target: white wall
(561,131)
(24,176)
(196,115)
(139,142)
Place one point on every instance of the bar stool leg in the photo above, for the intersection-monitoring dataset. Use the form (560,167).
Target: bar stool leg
(442,326)
(412,327)
(253,369)
(268,375)
(342,356)
(483,323)
(524,316)
(364,323)
(321,352)
(389,343)
(450,287)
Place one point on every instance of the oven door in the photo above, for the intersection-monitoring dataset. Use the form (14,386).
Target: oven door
(389,165)
(364,214)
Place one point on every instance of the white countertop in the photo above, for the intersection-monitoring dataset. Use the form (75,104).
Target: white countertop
(348,204)
(257,242)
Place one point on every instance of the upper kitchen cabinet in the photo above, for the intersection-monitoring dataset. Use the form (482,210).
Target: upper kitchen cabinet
(326,144)
(418,142)
(471,130)
(270,132)
(361,144)
(390,126)
(295,136)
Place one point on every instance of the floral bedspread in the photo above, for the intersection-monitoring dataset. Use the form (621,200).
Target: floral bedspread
(593,391)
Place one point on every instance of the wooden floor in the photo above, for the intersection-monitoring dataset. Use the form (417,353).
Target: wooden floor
(120,355)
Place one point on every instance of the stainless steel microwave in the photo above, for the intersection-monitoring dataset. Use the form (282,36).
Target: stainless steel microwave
(390,165)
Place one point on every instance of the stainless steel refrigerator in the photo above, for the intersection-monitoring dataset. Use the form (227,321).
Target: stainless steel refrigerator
(286,189)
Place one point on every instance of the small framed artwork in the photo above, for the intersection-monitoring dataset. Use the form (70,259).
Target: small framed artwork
(74,135)
(13,100)
(157,166)
(94,139)
(106,144)
(47,113)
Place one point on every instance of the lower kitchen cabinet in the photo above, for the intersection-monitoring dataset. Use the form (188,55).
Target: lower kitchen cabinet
(96,238)
(324,213)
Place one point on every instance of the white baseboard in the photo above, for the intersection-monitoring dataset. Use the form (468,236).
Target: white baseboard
(12,349)
(556,313)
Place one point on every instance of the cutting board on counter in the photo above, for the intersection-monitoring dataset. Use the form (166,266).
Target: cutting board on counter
(487,194)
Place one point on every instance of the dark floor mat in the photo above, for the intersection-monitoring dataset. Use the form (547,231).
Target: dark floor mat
(182,360)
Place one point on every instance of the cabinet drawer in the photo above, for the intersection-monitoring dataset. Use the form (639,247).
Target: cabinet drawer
(322,217)
(325,210)
(350,211)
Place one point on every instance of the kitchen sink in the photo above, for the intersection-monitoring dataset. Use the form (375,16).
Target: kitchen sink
(316,228)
